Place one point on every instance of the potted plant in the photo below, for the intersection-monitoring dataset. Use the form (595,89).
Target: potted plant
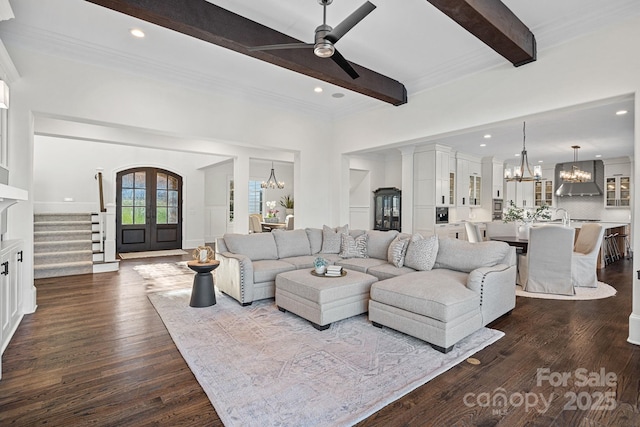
(287,203)
(526,217)
(272,212)
(321,265)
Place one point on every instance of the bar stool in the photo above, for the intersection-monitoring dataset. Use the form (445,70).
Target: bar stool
(608,249)
(614,244)
(627,246)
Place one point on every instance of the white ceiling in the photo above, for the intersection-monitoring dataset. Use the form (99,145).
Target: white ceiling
(410,41)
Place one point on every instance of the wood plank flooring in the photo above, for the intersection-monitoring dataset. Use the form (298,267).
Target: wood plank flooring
(96,353)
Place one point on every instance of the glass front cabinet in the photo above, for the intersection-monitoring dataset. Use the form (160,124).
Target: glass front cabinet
(387,209)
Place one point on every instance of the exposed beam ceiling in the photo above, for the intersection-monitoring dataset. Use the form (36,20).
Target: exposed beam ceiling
(495,25)
(211,23)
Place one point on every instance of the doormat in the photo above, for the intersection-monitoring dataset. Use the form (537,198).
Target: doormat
(151,254)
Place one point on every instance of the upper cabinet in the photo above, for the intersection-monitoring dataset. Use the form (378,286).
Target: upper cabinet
(432,176)
(520,193)
(543,192)
(617,183)
(469,180)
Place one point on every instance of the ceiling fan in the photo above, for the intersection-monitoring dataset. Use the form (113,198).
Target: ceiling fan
(326,37)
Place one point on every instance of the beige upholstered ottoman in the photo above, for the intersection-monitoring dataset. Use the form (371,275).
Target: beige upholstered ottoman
(322,300)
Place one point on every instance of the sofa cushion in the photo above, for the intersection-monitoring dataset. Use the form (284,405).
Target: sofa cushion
(421,252)
(360,264)
(397,250)
(379,242)
(255,246)
(353,247)
(315,239)
(387,271)
(300,262)
(267,270)
(331,238)
(439,294)
(291,243)
(465,256)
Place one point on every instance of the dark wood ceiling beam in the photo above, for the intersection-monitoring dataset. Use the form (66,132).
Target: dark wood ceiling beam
(213,24)
(495,25)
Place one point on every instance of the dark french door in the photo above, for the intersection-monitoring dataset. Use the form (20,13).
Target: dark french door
(148,210)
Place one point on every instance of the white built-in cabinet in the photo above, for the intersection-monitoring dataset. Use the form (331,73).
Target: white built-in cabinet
(617,183)
(431,185)
(11,283)
(543,192)
(520,193)
(469,180)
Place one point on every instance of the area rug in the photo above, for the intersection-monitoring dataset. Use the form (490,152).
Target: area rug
(151,254)
(602,291)
(262,367)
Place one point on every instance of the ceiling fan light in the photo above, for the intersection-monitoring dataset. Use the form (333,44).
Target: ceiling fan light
(323,49)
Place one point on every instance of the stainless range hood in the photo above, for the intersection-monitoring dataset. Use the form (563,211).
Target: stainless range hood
(589,188)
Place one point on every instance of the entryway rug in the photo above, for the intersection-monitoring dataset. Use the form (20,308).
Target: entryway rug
(602,291)
(262,367)
(151,254)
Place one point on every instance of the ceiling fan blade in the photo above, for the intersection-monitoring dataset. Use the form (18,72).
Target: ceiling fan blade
(350,21)
(281,46)
(344,64)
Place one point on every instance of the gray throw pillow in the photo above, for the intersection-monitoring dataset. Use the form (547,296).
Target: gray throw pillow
(291,243)
(464,256)
(397,251)
(421,252)
(315,239)
(353,247)
(331,238)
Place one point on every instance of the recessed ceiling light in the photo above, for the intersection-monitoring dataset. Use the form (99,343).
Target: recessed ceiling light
(137,32)
(517,154)
(338,95)
(540,161)
(621,112)
(483,145)
(487,136)
(598,155)
(317,89)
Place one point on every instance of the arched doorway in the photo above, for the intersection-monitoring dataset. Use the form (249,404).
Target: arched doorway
(148,210)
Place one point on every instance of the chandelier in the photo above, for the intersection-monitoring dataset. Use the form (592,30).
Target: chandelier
(272,182)
(519,173)
(575,174)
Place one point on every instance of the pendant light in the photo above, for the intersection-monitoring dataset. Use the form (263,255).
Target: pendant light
(523,172)
(272,182)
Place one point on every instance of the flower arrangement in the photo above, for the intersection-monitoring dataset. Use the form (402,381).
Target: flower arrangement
(272,212)
(515,213)
(286,202)
(320,264)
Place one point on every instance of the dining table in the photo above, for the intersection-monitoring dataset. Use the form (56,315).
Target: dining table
(272,225)
(520,243)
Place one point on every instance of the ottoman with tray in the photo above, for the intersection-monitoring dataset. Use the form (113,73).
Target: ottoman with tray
(323,300)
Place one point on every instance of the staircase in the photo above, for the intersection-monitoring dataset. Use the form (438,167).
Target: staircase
(67,244)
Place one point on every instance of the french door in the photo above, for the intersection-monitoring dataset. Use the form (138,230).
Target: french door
(148,210)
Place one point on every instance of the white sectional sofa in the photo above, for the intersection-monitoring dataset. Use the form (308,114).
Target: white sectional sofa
(449,289)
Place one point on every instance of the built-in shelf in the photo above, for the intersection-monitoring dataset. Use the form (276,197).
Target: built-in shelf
(10,195)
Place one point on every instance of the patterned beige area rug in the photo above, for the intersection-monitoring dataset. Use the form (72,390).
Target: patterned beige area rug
(262,367)
(602,291)
(151,254)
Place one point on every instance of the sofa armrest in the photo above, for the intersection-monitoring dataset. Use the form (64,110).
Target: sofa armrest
(497,288)
(234,276)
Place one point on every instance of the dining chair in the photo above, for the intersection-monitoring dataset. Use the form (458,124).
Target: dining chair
(499,228)
(473,232)
(288,220)
(585,256)
(254,224)
(547,265)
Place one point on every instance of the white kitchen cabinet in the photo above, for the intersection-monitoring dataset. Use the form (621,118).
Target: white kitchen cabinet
(543,192)
(432,177)
(520,193)
(469,184)
(617,183)
(453,231)
(11,278)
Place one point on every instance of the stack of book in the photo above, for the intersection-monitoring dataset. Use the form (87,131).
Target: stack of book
(333,270)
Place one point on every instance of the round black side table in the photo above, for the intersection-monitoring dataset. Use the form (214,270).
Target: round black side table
(203,294)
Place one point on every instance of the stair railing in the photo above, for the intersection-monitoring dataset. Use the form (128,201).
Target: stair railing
(103,209)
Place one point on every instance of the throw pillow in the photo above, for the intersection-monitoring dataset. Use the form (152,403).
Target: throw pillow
(291,243)
(315,239)
(461,255)
(353,247)
(421,252)
(331,238)
(397,251)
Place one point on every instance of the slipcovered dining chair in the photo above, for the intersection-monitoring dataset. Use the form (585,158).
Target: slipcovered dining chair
(585,256)
(254,224)
(499,228)
(473,232)
(288,221)
(546,267)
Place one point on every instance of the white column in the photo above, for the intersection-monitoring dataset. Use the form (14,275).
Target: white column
(407,188)
(634,318)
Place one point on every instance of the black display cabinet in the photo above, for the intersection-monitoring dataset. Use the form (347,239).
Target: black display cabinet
(387,205)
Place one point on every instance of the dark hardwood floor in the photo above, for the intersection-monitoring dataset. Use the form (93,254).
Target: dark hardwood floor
(96,353)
